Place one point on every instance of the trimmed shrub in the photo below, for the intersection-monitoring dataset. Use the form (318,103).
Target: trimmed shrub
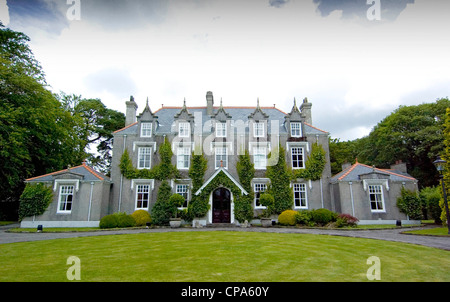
(323,216)
(34,200)
(344,220)
(125,221)
(303,217)
(117,220)
(141,217)
(288,217)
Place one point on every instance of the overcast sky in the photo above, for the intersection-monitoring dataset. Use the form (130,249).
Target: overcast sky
(354,69)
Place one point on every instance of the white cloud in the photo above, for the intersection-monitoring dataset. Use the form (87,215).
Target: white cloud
(250,49)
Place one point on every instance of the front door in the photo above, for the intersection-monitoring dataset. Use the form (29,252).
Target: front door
(221,206)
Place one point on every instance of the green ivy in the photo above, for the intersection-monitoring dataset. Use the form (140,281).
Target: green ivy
(314,165)
(243,209)
(280,179)
(197,170)
(164,170)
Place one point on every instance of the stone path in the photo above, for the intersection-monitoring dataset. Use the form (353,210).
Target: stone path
(383,234)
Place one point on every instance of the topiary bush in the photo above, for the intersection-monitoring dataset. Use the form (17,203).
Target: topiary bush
(323,216)
(117,220)
(288,217)
(142,217)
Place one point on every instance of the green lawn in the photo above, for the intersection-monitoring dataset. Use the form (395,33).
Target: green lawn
(442,231)
(221,256)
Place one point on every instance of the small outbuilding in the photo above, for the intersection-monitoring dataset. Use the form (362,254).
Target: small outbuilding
(80,198)
(370,194)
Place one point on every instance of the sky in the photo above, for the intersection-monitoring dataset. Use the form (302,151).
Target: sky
(355,60)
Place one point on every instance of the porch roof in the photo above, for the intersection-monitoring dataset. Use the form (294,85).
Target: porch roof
(221,169)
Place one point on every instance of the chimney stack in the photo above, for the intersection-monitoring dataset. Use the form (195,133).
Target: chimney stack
(305,108)
(209,103)
(399,166)
(130,116)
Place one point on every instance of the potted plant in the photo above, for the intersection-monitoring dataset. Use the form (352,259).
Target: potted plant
(268,201)
(176,201)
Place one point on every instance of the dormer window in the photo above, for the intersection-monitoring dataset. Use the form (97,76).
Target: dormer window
(184,129)
(258,129)
(146,129)
(221,129)
(296,129)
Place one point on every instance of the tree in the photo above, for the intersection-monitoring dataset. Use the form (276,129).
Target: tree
(36,135)
(446,179)
(95,125)
(163,209)
(412,134)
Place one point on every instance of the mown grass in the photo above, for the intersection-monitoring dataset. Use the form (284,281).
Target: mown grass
(442,231)
(221,256)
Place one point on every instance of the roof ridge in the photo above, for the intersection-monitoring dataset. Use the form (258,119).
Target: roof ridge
(126,127)
(347,172)
(53,173)
(90,169)
(350,169)
(69,169)
(315,127)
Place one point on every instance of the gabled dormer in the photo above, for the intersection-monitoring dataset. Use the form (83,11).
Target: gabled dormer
(258,123)
(221,122)
(294,123)
(183,122)
(147,122)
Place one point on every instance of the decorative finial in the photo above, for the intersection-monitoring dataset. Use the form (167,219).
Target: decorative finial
(295,102)
(305,100)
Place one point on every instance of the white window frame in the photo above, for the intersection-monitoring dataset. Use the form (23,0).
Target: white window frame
(296,129)
(221,152)
(377,192)
(300,188)
(221,129)
(183,158)
(302,153)
(63,198)
(258,189)
(140,190)
(146,129)
(260,158)
(183,190)
(184,129)
(258,129)
(147,152)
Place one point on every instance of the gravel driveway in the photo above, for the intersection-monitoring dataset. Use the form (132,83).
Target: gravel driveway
(384,234)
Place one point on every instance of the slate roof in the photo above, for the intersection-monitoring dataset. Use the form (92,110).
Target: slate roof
(83,170)
(166,119)
(354,172)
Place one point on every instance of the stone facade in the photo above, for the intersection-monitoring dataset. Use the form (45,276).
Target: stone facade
(221,133)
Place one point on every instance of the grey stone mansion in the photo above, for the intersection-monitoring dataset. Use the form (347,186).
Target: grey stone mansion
(82,196)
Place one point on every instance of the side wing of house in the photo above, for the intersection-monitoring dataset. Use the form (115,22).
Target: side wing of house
(370,194)
(80,198)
